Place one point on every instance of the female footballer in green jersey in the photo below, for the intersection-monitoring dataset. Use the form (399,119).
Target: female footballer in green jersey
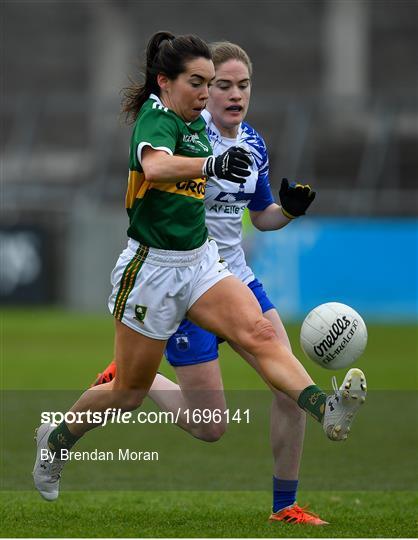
(192,351)
(170,269)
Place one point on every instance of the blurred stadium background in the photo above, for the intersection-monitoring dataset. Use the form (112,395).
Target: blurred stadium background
(334,95)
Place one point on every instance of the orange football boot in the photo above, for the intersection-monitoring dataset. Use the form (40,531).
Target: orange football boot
(295,514)
(106,376)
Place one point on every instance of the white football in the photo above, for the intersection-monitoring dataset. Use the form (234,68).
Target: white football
(333,335)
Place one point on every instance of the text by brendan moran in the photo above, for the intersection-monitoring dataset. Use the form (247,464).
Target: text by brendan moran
(122,454)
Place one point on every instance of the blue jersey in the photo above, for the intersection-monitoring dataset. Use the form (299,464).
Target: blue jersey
(226,201)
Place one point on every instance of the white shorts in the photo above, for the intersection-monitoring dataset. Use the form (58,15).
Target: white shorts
(153,288)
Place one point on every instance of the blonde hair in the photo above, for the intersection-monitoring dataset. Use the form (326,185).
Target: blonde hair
(222,51)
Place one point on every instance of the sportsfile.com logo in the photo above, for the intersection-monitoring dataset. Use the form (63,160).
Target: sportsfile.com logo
(338,328)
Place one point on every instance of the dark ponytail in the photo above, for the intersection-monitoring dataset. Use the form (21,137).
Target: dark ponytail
(165,54)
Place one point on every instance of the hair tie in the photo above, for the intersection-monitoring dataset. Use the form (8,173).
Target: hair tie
(169,39)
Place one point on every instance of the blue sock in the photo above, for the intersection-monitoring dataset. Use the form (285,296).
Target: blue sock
(284,493)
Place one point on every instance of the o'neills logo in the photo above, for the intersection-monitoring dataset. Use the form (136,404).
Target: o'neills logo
(194,139)
(192,185)
(332,337)
(336,330)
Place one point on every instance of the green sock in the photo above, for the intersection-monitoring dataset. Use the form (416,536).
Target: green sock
(61,437)
(312,400)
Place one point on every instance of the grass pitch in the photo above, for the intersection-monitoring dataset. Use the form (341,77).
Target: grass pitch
(204,514)
(52,350)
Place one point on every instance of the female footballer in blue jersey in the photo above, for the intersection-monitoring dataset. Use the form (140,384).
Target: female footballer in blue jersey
(192,351)
(171,270)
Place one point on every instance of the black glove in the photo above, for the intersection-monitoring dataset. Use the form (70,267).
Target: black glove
(295,198)
(232,165)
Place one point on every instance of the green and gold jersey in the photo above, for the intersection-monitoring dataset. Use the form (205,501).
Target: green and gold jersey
(169,215)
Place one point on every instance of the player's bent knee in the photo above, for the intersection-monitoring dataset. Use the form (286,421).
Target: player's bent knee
(262,333)
(127,400)
(210,432)
(264,330)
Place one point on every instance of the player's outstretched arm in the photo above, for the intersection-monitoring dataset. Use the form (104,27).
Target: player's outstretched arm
(269,219)
(295,199)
